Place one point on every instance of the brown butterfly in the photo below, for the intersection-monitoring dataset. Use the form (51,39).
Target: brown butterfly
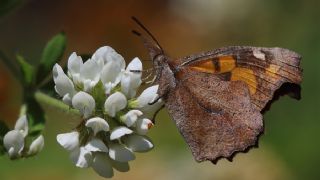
(217,98)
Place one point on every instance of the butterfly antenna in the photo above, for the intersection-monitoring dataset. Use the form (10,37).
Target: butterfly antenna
(146,30)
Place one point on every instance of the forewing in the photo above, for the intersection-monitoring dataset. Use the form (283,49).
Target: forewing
(215,117)
(268,72)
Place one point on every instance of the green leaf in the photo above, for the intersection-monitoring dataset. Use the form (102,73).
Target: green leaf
(27,70)
(3,130)
(51,54)
(36,117)
(7,5)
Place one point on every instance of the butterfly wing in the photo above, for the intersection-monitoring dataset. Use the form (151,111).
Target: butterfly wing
(215,117)
(268,72)
(219,95)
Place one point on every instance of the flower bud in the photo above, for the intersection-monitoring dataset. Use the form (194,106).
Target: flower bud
(131,117)
(36,146)
(143,125)
(13,141)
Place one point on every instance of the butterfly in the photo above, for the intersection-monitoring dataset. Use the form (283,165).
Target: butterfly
(217,98)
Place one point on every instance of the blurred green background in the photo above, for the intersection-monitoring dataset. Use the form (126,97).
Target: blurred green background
(290,147)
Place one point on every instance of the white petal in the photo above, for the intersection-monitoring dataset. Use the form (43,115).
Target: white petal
(138,143)
(115,102)
(69,141)
(131,117)
(111,73)
(150,110)
(57,71)
(81,157)
(96,145)
(102,165)
(84,102)
(108,87)
(120,153)
(135,64)
(90,74)
(67,99)
(97,124)
(13,141)
(108,54)
(130,81)
(36,146)
(63,84)
(74,64)
(147,96)
(143,125)
(120,166)
(22,125)
(118,132)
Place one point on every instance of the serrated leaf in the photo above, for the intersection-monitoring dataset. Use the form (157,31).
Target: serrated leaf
(27,70)
(35,116)
(7,5)
(51,54)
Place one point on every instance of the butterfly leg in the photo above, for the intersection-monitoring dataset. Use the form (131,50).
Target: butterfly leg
(156,113)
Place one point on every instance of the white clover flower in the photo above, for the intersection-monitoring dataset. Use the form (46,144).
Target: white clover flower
(90,74)
(36,146)
(63,85)
(14,140)
(74,65)
(143,126)
(84,102)
(97,124)
(115,102)
(102,165)
(121,153)
(69,141)
(96,145)
(110,75)
(81,157)
(108,54)
(138,143)
(130,81)
(147,96)
(115,123)
(118,132)
(22,125)
(14,143)
(131,117)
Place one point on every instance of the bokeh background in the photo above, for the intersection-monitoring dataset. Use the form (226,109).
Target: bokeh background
(290,147)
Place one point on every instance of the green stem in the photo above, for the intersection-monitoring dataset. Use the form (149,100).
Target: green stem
(50,101)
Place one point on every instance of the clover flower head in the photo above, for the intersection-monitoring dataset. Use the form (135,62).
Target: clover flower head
(115,123)
(14,140)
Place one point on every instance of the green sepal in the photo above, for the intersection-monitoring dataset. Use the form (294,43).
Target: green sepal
(98,93)
(51,54)
(27,71)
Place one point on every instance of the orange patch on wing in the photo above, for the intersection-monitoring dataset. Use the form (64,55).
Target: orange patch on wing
(204,66)
(272,70)
(220,65)
(246,75)
(227,64)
